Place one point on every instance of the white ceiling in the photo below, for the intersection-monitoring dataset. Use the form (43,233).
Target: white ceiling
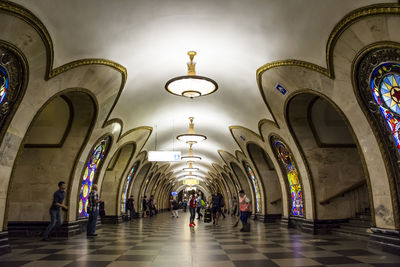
(151,38)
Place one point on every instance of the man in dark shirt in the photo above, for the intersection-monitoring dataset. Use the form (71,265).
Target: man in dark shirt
(217,204)
(55,213)
(130,206)
(93,210)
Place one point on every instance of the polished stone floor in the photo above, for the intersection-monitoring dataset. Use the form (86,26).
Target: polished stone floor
(165,241)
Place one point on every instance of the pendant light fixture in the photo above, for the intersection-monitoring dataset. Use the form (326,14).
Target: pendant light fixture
(190,168)
(191,157)
(191,85)
(191,137)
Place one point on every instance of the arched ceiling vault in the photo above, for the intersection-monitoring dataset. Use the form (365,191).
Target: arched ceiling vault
(151,38)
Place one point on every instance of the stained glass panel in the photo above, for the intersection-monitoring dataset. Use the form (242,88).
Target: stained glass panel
(93,165)
(3,84)
(384,82)
(126,187)
(255,185)
(286,161)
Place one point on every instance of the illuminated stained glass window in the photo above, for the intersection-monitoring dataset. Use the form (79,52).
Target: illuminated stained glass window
(287,164)
(3,84)
(385,86)
(93,166)
(255,185)
(126,187)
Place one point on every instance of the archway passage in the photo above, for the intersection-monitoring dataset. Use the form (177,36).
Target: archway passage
(340,188)
(135,188)
(127,182)
(112,181)
(244,181)
(47,155)
(269,177)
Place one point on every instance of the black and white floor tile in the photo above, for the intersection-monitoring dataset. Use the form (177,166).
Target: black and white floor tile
(165,241)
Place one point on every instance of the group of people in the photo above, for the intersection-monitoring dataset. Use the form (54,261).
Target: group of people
(216,203)
(148,207)
(57,204)
(196,204)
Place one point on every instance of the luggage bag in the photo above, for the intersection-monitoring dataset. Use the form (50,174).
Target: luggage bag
(207,216)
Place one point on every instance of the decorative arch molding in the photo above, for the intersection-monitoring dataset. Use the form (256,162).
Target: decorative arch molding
(369,70)
(351,35)
(125,186)
(38,52)
(142,173)
(15,74)
(78,97)
(228,158)
(114,178)
(340,28)
(346,121)
(29,18)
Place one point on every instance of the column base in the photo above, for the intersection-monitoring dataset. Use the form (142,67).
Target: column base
(114,219)
(385,240)
(271,218)
(4,243)
(311,226)
(67,229)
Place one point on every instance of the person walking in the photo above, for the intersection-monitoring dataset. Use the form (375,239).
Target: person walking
(150,204)
(175,207)
(144,207)
(235,206)
(192,209)
(55,213)
(199,206)
(184,205)
(93,210)
(217,203)
(130,207)
(245,211)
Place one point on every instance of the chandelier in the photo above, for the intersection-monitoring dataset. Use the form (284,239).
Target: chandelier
(191,157)
(190,168)
(191,137)
(191,85)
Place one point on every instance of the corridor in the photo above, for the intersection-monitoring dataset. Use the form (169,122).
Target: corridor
(165,241)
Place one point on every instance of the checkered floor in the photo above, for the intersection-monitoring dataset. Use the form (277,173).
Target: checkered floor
(165,241)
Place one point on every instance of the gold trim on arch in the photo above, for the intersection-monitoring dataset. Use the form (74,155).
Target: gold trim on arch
(27,16)
(383,150)
(304,158)
(349,19)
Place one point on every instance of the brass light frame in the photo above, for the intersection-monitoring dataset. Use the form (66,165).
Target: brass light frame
(191,92)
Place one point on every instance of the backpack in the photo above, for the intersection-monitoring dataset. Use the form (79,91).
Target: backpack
(203,203)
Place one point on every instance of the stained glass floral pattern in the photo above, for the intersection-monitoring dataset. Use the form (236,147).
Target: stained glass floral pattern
(94,163)
(287,164)
(126,187)
(3,84)
(255,186)
(385,86)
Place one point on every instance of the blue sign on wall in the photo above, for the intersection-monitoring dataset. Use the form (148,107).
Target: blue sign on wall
(281,89)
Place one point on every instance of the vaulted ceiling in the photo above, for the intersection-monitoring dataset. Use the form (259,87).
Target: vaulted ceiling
(151,38)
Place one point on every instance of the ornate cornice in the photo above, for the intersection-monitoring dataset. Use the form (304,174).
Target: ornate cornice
(27,16)
(341,26)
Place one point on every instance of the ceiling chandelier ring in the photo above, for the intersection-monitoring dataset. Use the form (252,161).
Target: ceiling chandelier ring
(191,85)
